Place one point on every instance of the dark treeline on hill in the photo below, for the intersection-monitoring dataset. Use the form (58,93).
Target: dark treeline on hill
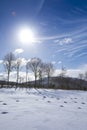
(66,83)
(69,83)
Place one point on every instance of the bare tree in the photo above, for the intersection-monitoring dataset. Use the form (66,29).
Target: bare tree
(49,71)
(85,76)
(8,62)
(63,71)
(41,73)
(80,76)
(34,65)
(18,63)
(27,69)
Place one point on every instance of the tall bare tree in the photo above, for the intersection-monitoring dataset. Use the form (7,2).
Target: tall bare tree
(34,65)
(80,76)
(8,62)
(63,72)
(49,71)
(18,63)
(27,69)
(85,76)
(41,73)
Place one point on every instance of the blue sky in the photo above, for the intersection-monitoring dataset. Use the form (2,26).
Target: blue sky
(59,25)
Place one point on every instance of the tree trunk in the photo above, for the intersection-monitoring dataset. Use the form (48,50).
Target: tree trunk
(8,78)
(26,77)
(48,81)
(35,80)
(41,82)
(17,76)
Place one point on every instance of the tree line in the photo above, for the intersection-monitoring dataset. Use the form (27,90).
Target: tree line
(41,71)
(36,65)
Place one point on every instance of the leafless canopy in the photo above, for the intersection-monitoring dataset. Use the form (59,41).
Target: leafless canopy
(34,65)
(8,62)
(49,70)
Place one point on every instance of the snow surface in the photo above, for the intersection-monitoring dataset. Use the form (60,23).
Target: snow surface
(43,110)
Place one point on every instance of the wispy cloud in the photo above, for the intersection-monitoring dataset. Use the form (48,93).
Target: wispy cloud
(44,24)
(53,37)
(18,51)
(73,45)
(81,55)
(79,11)
(64,41)
(72,51)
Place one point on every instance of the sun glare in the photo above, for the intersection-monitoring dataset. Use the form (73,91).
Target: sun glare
(26,36)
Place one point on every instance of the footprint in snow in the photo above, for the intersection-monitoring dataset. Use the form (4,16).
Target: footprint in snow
(61,106)
(4,104)
(82,103)
(65,102)
(44,96)
(75,102)
(79,108)
(17,100)
(49,101)
(58,98)
(4,112)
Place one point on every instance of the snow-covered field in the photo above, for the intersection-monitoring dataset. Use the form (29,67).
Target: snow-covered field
(48,110)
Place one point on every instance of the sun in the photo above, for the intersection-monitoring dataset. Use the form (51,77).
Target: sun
(26,36)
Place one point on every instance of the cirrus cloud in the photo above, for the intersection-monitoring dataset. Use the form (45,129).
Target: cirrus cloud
(19,51)
(64,41)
